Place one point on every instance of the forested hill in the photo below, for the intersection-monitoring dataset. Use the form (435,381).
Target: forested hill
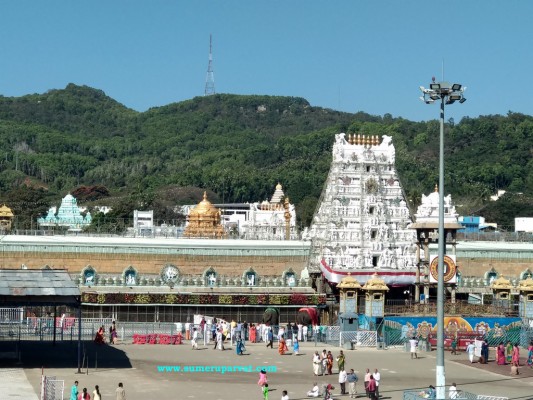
(238,147)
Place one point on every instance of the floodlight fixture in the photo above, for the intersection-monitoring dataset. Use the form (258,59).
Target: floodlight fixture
(455,96)
(447,94)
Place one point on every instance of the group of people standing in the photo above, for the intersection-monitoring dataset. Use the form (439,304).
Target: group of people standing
(323,365)
(100,335)
(84,395)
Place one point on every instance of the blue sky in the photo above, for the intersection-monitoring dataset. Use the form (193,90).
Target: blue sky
(347,55)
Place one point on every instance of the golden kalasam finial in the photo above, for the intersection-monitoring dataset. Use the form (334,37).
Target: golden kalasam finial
(350,138)
(436,188)
(367,140)
(376,140)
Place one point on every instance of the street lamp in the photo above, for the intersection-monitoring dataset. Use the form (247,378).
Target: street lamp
(447,94)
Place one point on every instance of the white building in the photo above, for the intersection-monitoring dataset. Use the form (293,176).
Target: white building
(361,225)
(260,220)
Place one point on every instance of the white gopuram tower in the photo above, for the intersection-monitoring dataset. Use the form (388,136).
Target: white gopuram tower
(361,222)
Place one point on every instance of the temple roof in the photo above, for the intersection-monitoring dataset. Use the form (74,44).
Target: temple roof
(501,283)
(525,285)
(205,207)
(5,211)
(349,282)
(375,283)
(278,195)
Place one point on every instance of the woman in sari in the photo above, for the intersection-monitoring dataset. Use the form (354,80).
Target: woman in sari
(516,356)
(252,333)
(329,363)
(500,354)
(530,355)
(99,338)
(282,347)
(296,347)
(509,351)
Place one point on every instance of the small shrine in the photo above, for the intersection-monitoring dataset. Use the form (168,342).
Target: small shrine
(203,221)
(501,289)
(349,289)
(525,305)
(68,215)
(6,218)
(375,296)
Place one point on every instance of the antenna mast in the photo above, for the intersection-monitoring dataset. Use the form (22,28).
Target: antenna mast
(210,78)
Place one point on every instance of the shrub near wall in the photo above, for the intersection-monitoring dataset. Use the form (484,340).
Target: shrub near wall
(227,299)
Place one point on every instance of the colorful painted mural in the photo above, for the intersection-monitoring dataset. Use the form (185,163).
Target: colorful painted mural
(494,329)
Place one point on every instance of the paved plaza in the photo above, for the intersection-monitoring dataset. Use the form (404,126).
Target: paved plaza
(137,367)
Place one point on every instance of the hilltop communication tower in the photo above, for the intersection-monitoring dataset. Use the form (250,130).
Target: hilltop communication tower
(210,78)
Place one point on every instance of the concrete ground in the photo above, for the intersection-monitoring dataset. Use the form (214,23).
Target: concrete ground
(136,366)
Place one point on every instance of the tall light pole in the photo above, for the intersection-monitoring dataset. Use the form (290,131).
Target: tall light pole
(447,94)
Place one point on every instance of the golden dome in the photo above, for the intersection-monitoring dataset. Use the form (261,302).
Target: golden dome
(375,283)
(349,282)
(525,285)
(501,283)
(5,211)
(204,208)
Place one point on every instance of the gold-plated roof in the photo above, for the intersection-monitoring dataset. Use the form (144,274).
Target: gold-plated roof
(375,283)
(525,285)
(5,211)
(501,284)
(349,282)
(205,207)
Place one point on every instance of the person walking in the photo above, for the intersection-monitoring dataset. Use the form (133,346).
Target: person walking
(343,377)
(304,332)
(329,363)
(194,341)
(296,347)
(120,392)
(413,343)
(284,395)
(74,391)
(454,345)
(372,388)
(263,380)
(515,360)
(316,364)
(324,362)
(270,337)
(367,379)
(96,393)
(470,351)
(352,383)
(84,395)
(341,360)
(377,378)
